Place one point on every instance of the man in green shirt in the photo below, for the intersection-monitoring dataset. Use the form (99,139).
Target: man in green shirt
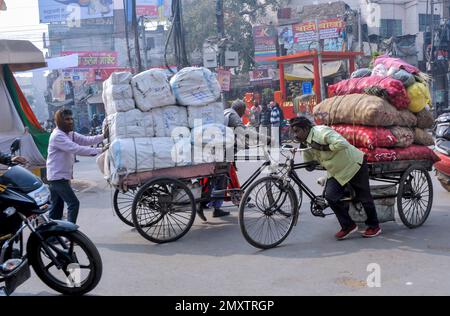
(346,165)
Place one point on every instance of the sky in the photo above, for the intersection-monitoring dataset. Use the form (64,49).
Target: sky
(21,22)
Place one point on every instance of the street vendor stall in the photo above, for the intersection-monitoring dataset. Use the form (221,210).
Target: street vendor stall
(17,119)
(313,57)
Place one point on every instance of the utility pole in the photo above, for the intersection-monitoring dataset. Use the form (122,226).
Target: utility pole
(135,30)
(128,19)
(319,53)
(144,42)
(221,36)
(360,39)
(220,31)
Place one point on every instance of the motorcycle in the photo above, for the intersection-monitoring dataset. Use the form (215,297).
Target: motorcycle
(442,149)
(61,256)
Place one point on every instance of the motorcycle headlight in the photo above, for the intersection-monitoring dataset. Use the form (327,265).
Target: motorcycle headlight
(41,195)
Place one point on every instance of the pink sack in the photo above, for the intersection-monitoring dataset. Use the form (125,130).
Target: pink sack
(416,152)
(396,92)
(389,62)
(366,137)
(411,153)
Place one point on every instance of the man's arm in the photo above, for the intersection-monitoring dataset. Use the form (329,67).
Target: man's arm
(308,156)
(87,140)
(336,141)
(66,144)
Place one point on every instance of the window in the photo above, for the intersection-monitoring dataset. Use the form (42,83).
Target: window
(425,19)
(390,28)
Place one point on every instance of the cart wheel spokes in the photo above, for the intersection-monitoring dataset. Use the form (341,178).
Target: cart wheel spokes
(415,197)
(268,212)
(163,210)
(123,204)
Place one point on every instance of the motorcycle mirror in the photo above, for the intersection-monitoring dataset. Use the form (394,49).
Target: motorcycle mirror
(15,146)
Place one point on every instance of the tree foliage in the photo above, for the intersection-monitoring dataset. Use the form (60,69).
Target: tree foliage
(240,17)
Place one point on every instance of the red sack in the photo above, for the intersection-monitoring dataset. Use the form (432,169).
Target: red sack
(380,154)
(396,92)
(366,137)
(416,152)
(411,153)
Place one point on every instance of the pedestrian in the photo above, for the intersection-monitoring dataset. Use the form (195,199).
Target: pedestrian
(63,146)
(265,120)
(255,117)
(346,165)
(276,119)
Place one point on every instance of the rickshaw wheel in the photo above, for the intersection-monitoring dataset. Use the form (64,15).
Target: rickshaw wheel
(163,210)
(268,212)
(415,197)
(123,205)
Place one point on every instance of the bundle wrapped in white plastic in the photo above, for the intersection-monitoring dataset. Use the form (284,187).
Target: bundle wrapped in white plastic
(167,118)
(131,124)
(119,92)
(132,155)
(213,135)
(194,86)
(151,89)
(182,150)
(120,78)
(163,152)
(206,114)
(118,97)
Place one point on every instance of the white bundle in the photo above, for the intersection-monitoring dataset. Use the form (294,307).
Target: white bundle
(207,114)
(151,89)
(182,150)
(194,86)
(168,118)
(131,124)
(213,135)
(118,97)
(163,152)
(120,78)
(128,156)
(119,92)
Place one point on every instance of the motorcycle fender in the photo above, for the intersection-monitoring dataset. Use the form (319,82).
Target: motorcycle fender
(53,226)
(57,226)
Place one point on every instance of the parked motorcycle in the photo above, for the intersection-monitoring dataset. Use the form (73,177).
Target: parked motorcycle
(61,256)
(442,134)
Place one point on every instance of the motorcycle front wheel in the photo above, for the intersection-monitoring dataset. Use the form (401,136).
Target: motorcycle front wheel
(80,264)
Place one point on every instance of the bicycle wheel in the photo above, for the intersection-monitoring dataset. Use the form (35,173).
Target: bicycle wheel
(163,210)
(268,212)
(123,204)
(415,197)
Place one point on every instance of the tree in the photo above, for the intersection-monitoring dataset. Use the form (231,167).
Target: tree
(240,17)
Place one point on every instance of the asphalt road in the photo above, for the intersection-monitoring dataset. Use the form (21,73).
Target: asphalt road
(214,258)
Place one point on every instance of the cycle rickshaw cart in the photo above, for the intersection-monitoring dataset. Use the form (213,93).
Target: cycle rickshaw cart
(162,204)
(270,207)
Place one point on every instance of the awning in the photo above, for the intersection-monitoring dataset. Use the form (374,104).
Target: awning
(21,55)
(306,71)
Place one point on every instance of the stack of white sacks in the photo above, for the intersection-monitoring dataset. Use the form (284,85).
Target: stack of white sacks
(155,124)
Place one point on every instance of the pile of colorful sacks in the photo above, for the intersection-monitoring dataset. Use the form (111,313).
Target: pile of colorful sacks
(384,111)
